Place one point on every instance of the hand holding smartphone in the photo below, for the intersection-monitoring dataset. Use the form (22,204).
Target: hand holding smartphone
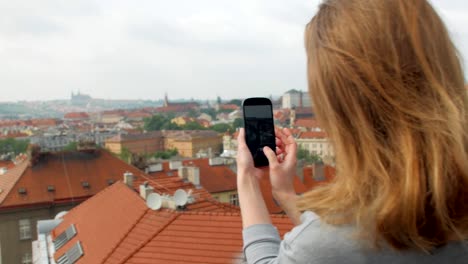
(259,128)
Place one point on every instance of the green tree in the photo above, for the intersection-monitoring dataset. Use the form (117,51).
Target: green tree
(193,126)
(303,154)
(166,154)
(238,122)
(125,155)
(222,127)
(72,146)
(159,122)
(16,146)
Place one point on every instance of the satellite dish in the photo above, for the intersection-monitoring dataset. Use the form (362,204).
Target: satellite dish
(60,215)
(154,201)
(180,197)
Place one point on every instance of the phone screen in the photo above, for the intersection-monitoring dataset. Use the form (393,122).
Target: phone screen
(259,131)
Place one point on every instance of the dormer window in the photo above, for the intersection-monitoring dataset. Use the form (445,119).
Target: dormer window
(22,191)
(51,188)
(85,185)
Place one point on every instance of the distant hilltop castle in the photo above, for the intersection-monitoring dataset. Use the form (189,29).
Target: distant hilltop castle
(80,99)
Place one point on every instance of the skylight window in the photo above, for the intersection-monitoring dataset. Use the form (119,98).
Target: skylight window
(72,255)
(64,237)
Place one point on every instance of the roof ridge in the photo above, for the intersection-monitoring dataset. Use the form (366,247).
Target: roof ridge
(174,217)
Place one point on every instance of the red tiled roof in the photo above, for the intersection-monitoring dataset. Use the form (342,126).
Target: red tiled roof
(102,221)
(6,164)
(9,179)
(218,178)
(76,115)
(310,182)
(228,107)
(307,123)
(116,227)
(65,171)
(138,114)
(312,134)
(45,122)
(15,134)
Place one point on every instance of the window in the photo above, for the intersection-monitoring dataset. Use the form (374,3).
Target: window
(24,229)
(26,259)
(234,199)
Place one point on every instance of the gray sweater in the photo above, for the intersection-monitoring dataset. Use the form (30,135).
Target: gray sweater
(315,242)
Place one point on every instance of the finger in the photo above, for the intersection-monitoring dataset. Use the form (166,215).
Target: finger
(241,139)
(289,138)
(279,151)
(271,156)
(278,142)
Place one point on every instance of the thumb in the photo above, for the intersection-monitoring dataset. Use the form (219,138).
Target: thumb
(271,156)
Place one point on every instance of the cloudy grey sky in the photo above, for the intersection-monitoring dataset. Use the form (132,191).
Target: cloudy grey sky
(116,49)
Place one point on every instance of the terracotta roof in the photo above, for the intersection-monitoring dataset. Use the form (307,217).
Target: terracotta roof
(168,182)
(138,114)
(65,171)
(229,107)
(6,164)
(14,134)
(217,178)
(9,179)
(304,111)
(76,115)
(102,221)
(309,181)
(45,122)
(116,227)
(312,134)
(306,123)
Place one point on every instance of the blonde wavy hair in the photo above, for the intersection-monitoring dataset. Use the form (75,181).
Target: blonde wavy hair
(388,87)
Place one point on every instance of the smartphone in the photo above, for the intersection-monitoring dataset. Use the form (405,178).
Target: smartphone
(259,128)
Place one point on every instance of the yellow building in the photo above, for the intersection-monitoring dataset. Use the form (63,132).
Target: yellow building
(144,143)
(190,142)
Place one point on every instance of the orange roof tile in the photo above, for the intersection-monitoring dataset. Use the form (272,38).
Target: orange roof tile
(310,182)
(306,123)
(76,115)
(10,178)
(65,171)
(102,221)
(116,227)
(313,134)
(218,178)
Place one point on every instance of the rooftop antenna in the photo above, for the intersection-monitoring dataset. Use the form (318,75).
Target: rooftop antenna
(154,201)
(180,197)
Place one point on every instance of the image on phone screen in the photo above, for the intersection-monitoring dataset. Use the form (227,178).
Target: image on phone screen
(259,130)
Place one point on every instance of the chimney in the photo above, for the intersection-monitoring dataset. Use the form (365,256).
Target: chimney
(175,164)
(216,161)
(183,173)
(128,179)
(318,172)
(194,175)
(145,190)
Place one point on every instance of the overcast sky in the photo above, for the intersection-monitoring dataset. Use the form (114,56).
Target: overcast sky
(141,49)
